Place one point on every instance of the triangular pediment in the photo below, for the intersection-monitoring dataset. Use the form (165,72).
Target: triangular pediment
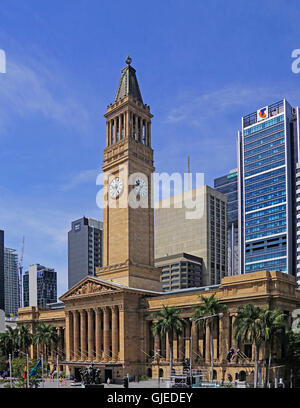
(89,286)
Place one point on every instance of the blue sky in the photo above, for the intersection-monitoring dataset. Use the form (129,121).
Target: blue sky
(200,65)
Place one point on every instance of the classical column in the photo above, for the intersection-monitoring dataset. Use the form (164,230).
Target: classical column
(215,324)
(61,343)
(76,355)
(106,333)
(115,332)
(107,133)
(207,344)
(175,347)
(146,134)
(69,336)
(224,337)
(149,133)
(187,338)
(91,335)
(167,347)
(136,124)
(98,334)
(195,342)
(120,126)
(83,334)
(181,347)
(233,340)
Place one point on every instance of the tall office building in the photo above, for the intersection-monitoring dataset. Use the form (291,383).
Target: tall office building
(84,249)
(11,282)
(298,219)
(180,271)
(2,304)
(228,185)
(268,151)
(178,229)
(39,286)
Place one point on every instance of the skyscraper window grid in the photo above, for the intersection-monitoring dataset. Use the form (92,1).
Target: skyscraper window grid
(268,150)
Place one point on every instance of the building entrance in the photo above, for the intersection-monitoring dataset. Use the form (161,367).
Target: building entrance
(108,374)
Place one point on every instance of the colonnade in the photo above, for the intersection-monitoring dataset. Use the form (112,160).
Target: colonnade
(223,340)
(128,124)
(93,334)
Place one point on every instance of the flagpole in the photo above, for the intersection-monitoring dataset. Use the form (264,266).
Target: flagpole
(57,368)
(10,373)
(27,374)
(42,358)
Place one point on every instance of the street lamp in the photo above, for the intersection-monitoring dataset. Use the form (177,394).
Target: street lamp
(191,343)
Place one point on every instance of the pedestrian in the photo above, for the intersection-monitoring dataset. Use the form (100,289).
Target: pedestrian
(108,381)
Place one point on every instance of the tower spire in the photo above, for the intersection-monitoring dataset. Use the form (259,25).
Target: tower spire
(128,85)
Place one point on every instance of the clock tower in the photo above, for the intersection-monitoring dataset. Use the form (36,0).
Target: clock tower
(128,215)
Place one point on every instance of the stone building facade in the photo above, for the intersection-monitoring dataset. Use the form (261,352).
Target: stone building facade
(110,324)
(107,318)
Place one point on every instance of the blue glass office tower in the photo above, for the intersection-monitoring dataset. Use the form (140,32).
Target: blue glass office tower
(2,298)
(268,151)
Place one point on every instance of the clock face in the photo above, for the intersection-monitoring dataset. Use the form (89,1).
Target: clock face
(115,187)
(140,186)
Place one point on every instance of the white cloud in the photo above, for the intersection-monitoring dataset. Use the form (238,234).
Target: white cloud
(85,176)
(196,110)
(27,90)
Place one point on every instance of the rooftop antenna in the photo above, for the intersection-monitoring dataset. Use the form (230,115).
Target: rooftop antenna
(189,172)
(21,274)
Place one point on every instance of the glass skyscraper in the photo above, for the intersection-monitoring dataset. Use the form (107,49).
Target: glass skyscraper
(268,151)
(2,304)
(228,185)
(39,286)
(11,282)
(84,249)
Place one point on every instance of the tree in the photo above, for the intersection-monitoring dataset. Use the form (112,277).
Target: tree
(18,369)
(9,341)
(167,321)
(273,325)
(207,312)
(45,335)
(25,338)
(248,328)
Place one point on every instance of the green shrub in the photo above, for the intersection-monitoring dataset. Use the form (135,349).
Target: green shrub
(143,378)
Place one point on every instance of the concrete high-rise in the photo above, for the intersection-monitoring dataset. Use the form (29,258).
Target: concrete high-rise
(205,235)
(228,185)
(2,304)
(84,249)
(11,282)
(180,271)
(39,286)
(268,148)
(298,220)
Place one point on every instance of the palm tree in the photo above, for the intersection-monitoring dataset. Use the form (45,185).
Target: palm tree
(45,335)
(248,327)
(274,325)
(25,338)
(167,321)
(5,345)
(206,312)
